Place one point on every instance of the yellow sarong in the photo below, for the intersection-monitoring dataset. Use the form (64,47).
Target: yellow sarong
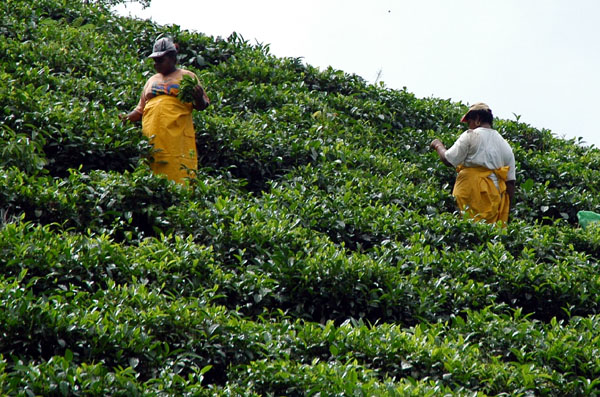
(478,196)
(167,122)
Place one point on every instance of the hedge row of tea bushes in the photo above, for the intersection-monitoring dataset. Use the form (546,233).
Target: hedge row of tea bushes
(316,251)
(381,262)
(108,319)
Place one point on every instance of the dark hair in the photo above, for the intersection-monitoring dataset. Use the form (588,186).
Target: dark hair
(484,116)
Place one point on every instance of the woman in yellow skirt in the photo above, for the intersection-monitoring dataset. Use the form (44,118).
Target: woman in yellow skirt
(167,121)
(485,163)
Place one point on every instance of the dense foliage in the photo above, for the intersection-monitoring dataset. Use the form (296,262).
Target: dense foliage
(317,250)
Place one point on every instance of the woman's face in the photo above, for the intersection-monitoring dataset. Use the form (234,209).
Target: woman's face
(164,64)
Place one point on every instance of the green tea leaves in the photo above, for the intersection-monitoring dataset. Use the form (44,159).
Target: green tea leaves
(186,88)
(316,251)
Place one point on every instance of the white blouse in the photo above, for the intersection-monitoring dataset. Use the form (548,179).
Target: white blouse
(483,147)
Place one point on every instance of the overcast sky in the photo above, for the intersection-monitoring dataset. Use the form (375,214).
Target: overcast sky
(539,59)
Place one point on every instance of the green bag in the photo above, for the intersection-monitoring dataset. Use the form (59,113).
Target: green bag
(587,217)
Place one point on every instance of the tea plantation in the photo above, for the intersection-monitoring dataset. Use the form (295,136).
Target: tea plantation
(316,252)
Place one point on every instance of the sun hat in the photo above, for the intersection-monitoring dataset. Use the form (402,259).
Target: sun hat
(162,46)
(477,106)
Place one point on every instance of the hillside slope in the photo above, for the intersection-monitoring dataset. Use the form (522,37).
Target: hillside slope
(316,251)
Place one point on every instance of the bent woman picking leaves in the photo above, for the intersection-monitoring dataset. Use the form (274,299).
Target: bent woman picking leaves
(485,162)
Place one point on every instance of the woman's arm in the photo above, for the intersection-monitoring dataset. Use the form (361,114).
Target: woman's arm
(137,113)
(132,116)
(439,147)
(510,189)
(201,100)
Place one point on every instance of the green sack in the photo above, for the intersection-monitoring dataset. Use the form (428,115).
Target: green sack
(587,217)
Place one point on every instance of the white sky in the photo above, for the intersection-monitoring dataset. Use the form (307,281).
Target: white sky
(539,59)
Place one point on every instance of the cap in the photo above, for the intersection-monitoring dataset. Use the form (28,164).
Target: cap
(477,106)
(161,47)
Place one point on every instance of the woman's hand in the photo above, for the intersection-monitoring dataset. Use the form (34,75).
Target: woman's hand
(132,116)
(201,100)
(439,147)
(435,144)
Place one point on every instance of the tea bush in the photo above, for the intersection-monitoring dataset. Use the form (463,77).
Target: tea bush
(317,250)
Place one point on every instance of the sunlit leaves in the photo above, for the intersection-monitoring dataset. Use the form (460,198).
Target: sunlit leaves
(317,250)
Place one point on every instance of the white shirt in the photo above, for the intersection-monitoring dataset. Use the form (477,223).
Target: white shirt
(483,147)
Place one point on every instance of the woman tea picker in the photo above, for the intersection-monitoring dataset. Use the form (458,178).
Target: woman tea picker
(485,162)
(167,121)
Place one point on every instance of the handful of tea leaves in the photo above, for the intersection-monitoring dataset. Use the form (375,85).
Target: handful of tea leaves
(186,88)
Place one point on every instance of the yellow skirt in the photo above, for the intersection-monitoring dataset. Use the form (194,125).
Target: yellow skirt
(167,122)
(478,196)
